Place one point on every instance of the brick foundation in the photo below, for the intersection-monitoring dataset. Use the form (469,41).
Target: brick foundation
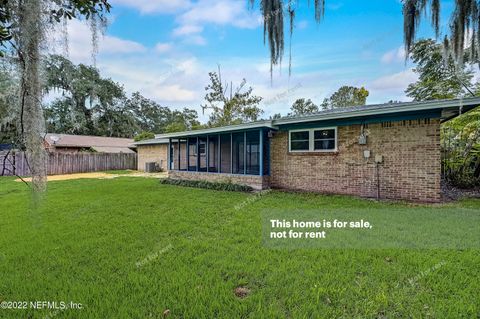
(410,170)
(257,182)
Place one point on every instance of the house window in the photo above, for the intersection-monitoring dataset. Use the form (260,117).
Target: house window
(313,140)
(299,141)
(324,140)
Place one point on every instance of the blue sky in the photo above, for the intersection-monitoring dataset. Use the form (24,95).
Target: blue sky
(165,49)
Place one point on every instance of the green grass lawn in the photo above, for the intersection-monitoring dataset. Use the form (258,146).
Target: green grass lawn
(132,248)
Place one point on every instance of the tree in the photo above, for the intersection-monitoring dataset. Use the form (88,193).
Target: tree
(89,105)
(144,136)
(23,25)
(346,96)
(151,116)
(185,120)
(302,107)
(8,100)
(237,106)
(439,77)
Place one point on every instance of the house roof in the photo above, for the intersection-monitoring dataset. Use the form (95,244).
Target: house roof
(109,149)
(443,109)
(212,130)
(152,141)
(112,144)
(448,109)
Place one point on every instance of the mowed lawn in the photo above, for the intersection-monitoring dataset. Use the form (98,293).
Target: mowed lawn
(132,248)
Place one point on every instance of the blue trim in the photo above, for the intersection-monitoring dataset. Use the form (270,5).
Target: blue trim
(415,115)
(169,155)
(245,152)
(260,132)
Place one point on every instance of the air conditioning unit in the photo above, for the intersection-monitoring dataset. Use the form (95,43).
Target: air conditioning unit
(150,167)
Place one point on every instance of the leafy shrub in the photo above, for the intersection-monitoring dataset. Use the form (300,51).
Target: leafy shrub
(144,136)
(219,186)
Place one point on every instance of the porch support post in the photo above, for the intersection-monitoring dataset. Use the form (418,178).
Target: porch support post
(245,152)
(169,155)
(207,153)
(198,154)
(231,153)
(178,157)
(187,152)
(219,156)
(261,153)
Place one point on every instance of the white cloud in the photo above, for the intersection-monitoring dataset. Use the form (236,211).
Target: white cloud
(214,12)
(116,45)
(170,82)
(163,47)
(394,56)
(196,40)
(80,43)
(172,93)
(187,29)
(396,81)
(220,12)
(154,6)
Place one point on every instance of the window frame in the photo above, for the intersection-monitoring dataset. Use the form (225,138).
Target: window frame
(311,140)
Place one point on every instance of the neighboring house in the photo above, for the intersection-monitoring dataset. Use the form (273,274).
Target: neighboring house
(154,150)
(386,151)
(67,143)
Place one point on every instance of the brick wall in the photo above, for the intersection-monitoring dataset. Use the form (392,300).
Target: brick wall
(257,182)
(410,170)
(152,153)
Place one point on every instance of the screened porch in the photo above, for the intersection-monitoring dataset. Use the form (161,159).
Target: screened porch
(242,152)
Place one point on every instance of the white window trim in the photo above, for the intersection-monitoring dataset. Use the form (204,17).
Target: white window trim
(311,140)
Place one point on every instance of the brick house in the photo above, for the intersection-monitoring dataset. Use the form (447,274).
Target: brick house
(386,151)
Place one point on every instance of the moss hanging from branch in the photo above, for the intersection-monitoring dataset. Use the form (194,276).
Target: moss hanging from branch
(464,26)
(30,35)
(273,26)
(23,24)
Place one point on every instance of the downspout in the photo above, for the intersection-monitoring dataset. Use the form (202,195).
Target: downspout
(378,179)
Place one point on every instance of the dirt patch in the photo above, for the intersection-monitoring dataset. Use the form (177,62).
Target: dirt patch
(242,292)
(97,175)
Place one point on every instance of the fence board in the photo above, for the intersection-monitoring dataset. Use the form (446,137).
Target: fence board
(68,163)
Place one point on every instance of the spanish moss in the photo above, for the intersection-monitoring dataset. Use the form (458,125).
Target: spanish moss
(273,26)
(462,33)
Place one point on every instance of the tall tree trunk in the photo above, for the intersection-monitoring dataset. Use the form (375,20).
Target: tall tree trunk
(31,33)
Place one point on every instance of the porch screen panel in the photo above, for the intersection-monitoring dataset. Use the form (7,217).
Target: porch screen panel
(266,153)
(213,153)
(238,153)
(202,151)
(225,152)
(253,153)
(192,154)
(174,155)
(183,155)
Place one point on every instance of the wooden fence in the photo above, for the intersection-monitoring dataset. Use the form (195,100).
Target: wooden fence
(68,163)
